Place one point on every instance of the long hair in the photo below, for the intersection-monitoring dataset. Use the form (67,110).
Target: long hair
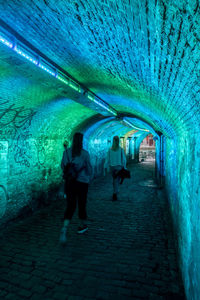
(77,144)
(115,144)
(65,144)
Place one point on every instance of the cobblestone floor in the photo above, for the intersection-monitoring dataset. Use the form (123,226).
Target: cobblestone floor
(127,253)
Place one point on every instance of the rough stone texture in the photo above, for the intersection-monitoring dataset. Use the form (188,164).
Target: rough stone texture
(183,188)
(35,119)
(142,57)
(128,252)
(31,142)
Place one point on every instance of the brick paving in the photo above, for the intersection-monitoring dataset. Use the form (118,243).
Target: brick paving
(127,253)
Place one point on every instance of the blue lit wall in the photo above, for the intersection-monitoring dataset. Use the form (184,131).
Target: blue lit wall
(141,57)
(183,182)
(99,138)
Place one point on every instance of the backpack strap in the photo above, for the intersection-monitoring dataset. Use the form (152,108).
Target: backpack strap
(68,156)
(70,161)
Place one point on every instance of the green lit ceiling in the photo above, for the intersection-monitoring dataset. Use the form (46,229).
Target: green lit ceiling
(141,57)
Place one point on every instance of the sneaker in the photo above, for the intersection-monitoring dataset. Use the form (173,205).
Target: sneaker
(82,229)
(63,235)
(114,197)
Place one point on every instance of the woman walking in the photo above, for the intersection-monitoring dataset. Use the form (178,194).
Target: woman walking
(65,145)
(115,160)
(76,189)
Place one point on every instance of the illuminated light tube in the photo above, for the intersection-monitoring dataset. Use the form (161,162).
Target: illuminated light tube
(112,111)
(102,105)
(63,79)
(5,41)
(47,67)
(16,45)
(133,126)
(26,53)
(90,97)
(99,102)
(106,107)
(75,86)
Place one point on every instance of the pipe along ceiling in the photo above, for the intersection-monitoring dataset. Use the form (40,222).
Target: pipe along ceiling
(136,68)
(104,68)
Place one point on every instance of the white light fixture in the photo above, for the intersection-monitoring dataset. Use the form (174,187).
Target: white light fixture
(32,56)
(26,52)
(133,126)
(101,103)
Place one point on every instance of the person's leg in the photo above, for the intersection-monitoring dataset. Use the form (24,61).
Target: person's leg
(65,189)
(113,171)
(71,199)
(82,189)
(71,207)
(116,180)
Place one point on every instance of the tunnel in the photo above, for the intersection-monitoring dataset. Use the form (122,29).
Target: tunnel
(103,68)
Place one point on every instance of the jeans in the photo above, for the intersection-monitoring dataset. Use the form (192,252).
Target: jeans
(76,191)
(116,180)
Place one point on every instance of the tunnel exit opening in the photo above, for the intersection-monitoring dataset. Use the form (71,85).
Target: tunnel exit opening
(147,149)
(150,149)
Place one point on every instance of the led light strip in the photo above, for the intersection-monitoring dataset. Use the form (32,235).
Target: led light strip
(27,53)
(106,107)
(10,41)
(5,41)
(101,103)
(133,126)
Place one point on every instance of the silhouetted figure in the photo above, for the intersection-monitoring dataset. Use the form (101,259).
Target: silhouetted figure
(65,145)
(115,161)
(76,160)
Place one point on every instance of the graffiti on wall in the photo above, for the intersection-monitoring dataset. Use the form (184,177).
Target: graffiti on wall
(15,122)
(3,180)
(13,117)
(3,200)
(22,149)
(42,146)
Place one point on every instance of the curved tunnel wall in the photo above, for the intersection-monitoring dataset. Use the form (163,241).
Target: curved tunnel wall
(35,119)
(152,72)
(31,149)
(183,186)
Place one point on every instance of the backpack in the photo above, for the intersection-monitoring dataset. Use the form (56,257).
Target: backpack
(70,173)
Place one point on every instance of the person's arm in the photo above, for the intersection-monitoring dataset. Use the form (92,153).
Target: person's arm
(89,169)
(123,159)
(64,160)
(107,162)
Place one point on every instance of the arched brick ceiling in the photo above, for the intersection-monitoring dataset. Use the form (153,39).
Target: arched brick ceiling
(37,99)
(104,130)
(142,57)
